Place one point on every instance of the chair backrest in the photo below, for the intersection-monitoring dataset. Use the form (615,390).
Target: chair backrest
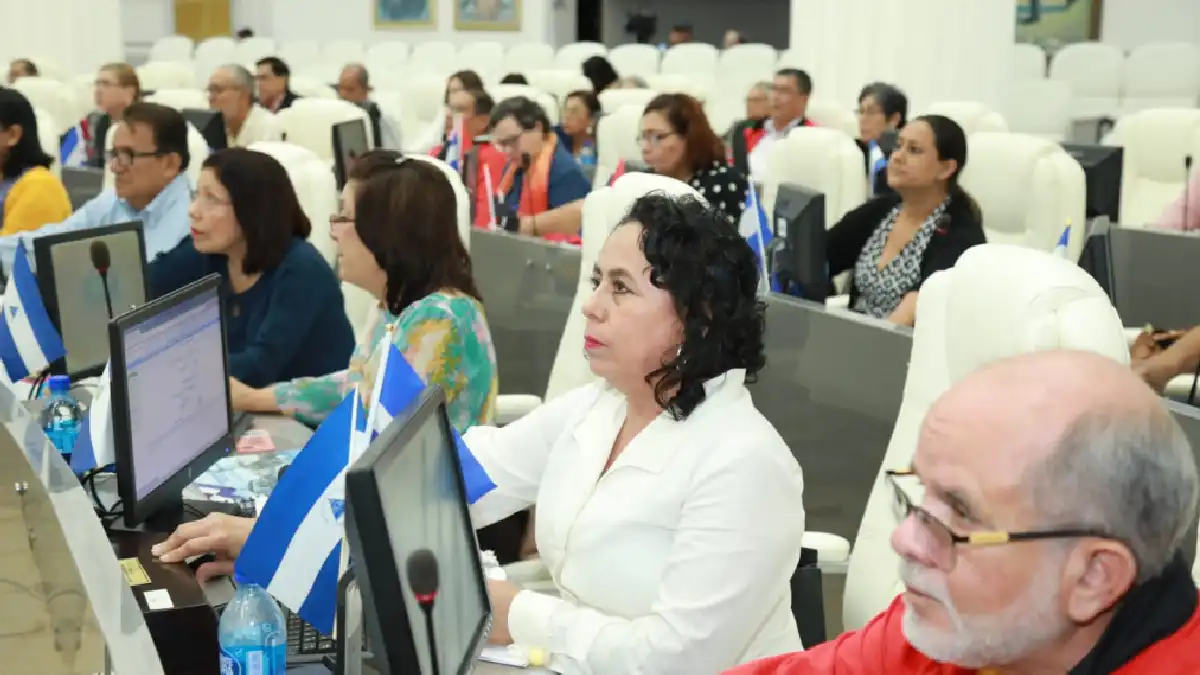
(250,50)
(612,100)
(343,51)
(1028,188)
(211,54)
(559,83)
(56,98)
(1041,108)
(1029,62)
(602,210)
(461,197)
(309,122)
(1093,71)
(1156,143)
(315,187)
(635,59)
(617,138)
(696,85)
(155,75)
(753,60)
(300,53)
(176,48)
(48,138)
(179,99)
(502,92)
(690,58)
(527,56)
(830,114)
(1161,75)
(997,302)
(822,159)
(571,56)
(388,54)
(311,87)
(485,58)
(973,117)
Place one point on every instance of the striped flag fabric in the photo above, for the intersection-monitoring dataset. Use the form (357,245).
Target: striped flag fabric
(1060,249)
(72,147)
(28,340)
(94,445)
(756,229)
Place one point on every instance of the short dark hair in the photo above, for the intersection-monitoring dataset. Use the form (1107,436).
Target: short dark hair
(29,67)
(589,100)
(711,273)
(264,202)
(168,126)
(514,78)
(277,65)
(16,110)
(804,83)
(469,79)
(525,112)
(681,28)
(889,97)
(600,72)
(422,251)
(702,145)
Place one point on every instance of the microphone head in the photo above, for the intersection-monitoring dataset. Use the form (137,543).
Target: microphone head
(422,569)
(101,258)
(1187,162)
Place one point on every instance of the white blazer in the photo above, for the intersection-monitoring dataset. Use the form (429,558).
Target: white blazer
(260,125)
(678,559)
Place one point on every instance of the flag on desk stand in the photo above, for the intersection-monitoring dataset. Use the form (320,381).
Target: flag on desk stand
(454,144)
(94,445)
(1060,249)
(491,200)
(28,340)
(295,547)
(755,227)
(72,147)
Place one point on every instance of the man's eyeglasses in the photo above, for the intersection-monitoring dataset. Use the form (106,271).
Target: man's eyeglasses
(124,157)
(946,541)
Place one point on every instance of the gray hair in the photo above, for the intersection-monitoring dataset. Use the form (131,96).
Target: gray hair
(764,87)
(242,79)
(1130,474)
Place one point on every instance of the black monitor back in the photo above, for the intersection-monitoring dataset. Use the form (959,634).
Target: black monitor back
(349,141)
(211,126)
(1188,418)
(737,146)
(797,254)
(1103,166)
(1096,256)
(1153,272)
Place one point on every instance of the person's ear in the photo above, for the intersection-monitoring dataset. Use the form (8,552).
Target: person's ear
(15,132)
(948,169)
(1097,575)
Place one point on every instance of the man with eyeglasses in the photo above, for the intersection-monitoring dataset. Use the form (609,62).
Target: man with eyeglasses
(231,93)
(1058,494)
(148,159)
(787,105)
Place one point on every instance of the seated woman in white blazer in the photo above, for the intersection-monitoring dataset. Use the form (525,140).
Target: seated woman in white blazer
(669,510)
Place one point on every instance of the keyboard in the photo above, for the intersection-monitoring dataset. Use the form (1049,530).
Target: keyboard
(304,643)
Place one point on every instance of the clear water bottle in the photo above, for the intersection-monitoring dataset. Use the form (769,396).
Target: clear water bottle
(62,416)
(587,154)
(252,633)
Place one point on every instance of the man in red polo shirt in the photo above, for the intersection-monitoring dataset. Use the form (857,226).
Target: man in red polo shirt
(1058,492)
(790,90)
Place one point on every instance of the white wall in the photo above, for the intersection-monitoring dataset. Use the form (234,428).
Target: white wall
(1132,23)
(763,21)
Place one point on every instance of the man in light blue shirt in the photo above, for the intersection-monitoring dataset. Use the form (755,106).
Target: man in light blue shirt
(149,159)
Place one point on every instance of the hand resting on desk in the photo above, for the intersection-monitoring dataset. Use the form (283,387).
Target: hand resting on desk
(217,533)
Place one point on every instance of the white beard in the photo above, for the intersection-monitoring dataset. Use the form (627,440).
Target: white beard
(1031,621)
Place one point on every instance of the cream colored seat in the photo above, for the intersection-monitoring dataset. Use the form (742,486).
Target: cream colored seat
(617,141)
(690,58)
(973,117)
(309,123)
(1094,72)
(485,58)
(635,59)
(1041,108)
(559,83)
(571,56)
(176,48)
(1029,62)
(998,301)
(503,92)
(612,100)
(1156,143)
(56,98)
(1161,75)
(821,159)
(834,116)
(179,99)
(526,57)
(48,139)
(156,75)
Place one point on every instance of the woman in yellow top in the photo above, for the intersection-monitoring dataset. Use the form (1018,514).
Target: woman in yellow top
(30,196)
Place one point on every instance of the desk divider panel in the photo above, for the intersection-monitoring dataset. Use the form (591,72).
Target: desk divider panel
(1154,276)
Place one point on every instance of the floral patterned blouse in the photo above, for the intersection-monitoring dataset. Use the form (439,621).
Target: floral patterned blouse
(444,336)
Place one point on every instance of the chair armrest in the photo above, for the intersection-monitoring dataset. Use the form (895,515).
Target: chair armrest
(841,302)
(1131,334)
(511,407)
(1179,387)
(833,552)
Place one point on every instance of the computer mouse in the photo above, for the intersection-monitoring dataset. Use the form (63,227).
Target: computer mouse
(196,561)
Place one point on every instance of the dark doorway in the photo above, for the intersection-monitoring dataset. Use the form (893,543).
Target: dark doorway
(588,20)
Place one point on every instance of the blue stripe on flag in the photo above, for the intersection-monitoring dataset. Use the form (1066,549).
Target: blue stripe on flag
(25,314)
(319,605)
(68,146)
(31,298)
(83,456)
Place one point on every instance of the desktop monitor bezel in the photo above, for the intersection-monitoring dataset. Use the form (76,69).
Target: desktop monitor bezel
(370,541)
(43,247)
(169,494)
(341,168)
(215,127)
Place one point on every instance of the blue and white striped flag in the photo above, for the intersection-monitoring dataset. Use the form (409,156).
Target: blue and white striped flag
(72,148)
(94,446)
(755,227)
(28,340)
(295,547)
(454,144)
(1060,249)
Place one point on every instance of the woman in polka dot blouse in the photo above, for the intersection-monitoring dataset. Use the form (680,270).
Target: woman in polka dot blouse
(677,141)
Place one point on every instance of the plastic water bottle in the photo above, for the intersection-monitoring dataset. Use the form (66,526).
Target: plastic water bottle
(62,416)
(252,633)
(587,154)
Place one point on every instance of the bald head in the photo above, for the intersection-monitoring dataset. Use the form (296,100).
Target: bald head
(354,83)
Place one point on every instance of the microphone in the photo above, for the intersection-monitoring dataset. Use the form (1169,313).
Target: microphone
(422,568)
(1187,191)
(102,260)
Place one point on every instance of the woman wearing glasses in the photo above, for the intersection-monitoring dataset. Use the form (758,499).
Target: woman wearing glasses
(677,141)
(285,316)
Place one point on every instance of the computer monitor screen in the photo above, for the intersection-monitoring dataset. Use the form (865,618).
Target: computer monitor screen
(1102,169)
(211,126)
(80,274)
(798,261)
(349,141)
(170,397)
(404,498)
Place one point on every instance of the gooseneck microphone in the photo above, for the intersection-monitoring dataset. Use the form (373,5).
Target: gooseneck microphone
(102,260)
(1187,192)
(422,568)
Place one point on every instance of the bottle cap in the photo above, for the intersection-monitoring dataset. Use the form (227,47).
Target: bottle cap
(239,580)
(60,383)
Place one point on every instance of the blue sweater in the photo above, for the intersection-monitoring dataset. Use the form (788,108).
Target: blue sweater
(291,323)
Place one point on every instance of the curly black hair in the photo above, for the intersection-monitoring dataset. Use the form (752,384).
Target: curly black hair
(711,273)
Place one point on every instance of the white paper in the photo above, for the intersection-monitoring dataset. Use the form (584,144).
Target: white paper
(158,599)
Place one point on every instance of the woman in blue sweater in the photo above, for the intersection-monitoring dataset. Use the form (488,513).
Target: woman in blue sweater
(284,308)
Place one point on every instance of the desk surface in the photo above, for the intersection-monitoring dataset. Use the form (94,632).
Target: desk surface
(481,668)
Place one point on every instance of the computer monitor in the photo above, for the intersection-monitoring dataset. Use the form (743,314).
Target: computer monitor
(1096,256)
(405,499)
(349,141)
(78,288)
(170,400)
(1152,271)
(797,257)
(211,126)
(1102,169)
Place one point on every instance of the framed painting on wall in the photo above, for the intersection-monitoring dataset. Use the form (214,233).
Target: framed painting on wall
(487,15)
(405,13)
(1052,23)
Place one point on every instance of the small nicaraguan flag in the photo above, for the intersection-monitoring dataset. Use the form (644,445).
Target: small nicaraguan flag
(28,340)
(396,386)
(454,144)
(621,170)
(72,148)
(94,446)
(295,547)
(1060,249)
(757,232)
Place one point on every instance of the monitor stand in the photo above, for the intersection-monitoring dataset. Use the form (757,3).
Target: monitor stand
(176,512)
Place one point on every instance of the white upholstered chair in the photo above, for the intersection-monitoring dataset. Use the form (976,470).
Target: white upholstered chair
(822,159)
(1156,143)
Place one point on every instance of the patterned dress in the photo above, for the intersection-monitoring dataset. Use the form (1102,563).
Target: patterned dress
(880,290)
(444,336)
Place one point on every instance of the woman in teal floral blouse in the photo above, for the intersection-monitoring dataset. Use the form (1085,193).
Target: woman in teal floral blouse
(397,239)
